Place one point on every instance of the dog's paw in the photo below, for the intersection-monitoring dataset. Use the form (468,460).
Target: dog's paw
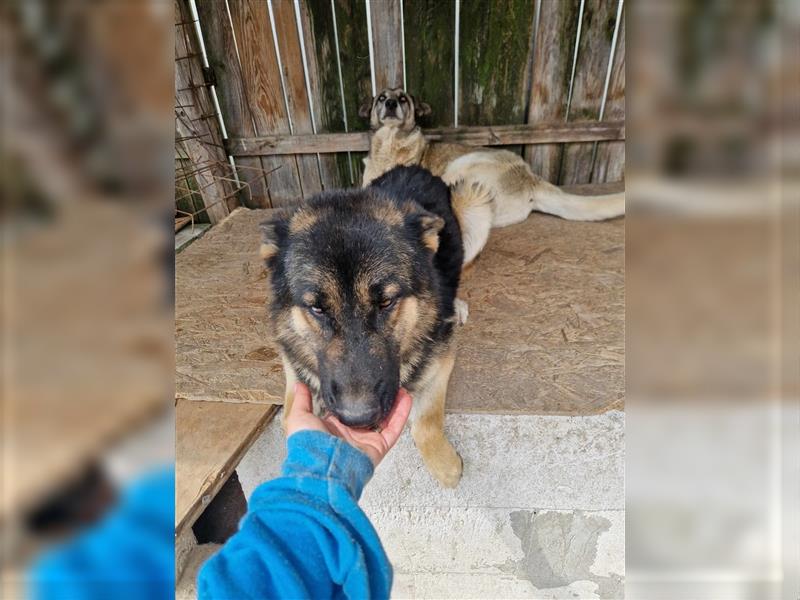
(447,468)
(462,310)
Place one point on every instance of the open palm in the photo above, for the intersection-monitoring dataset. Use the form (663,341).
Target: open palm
(375,444)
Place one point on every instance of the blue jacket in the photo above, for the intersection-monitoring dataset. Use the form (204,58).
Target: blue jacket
(127,555)
(304,535)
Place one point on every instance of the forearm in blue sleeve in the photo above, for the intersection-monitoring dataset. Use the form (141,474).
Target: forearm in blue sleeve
(304,535)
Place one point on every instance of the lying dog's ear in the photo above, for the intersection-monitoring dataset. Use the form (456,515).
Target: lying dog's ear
(421,109)
(366,108)
(430,225)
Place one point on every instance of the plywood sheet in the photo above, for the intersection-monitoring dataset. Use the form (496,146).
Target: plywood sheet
(223,347)
(545,333)
(210,439)
(544,336)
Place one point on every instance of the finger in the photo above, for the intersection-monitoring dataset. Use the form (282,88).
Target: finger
(302,400)
(397,418)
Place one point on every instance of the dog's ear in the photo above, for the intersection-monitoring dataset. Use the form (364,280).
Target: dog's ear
(366,108)
(430,226)
(421,109)
(271,233)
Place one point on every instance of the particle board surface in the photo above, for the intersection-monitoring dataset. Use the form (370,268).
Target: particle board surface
(210,438)
(544,335)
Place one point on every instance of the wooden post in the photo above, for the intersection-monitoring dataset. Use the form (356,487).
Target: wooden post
(587,89)
(609,163)
(552,60)
(494,47)
(430,28)
(328,170)
(387,43)
(294,81)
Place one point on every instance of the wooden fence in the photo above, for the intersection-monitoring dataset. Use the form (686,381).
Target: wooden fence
(545,78)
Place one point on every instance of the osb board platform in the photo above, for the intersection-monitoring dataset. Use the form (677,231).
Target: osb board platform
(544,335)
(223,348)
(210,439)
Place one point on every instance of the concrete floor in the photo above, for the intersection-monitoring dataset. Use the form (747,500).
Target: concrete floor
(539,512)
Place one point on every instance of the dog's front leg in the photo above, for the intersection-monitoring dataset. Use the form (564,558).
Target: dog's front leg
(427,426)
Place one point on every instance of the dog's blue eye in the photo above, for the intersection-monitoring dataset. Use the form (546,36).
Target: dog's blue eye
(381,98)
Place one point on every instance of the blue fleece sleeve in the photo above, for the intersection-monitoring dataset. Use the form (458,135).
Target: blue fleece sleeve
(304,535)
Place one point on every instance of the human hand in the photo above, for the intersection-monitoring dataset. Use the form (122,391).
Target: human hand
(375,444)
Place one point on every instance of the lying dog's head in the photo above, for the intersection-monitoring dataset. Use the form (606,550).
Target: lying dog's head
(352,295)
(393,108)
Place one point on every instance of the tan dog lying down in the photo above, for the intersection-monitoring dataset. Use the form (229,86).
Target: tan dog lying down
(510,189)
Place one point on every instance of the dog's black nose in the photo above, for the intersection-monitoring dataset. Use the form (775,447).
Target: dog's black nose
(391,103)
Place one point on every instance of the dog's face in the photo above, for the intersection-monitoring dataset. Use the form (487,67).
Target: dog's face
(393,107)
(351,296)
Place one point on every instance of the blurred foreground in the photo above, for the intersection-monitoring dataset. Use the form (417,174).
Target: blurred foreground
(87,279)
(713,264)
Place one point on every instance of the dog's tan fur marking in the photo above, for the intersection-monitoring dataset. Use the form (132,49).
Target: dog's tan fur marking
(404,320)
(302,220)
(303,322)
(427,427)
(309,298)
(267,251)
(387,212)
(391,290)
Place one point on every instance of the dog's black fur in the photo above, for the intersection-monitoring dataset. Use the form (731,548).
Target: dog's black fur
(363,291)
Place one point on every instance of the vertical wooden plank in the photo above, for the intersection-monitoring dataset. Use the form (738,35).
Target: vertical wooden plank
(609,164)
(351,19)
(495,41)
(324,79)
(387,43)
(195,122)
(430,53)
(599,17)
(294,80)
(224,63)
(550,74)
(262,88)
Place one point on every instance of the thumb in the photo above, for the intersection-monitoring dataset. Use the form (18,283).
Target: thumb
(302,400)
(397,418)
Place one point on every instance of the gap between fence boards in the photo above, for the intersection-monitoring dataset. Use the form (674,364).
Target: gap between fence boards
(498,135)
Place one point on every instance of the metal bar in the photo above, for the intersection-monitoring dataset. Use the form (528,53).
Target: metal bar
(371,49)
(574,59)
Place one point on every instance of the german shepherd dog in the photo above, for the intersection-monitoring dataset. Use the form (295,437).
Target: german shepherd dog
(363,289)
(512,189)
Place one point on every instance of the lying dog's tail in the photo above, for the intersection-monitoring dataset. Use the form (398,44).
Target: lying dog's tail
(549,199)
(472,205)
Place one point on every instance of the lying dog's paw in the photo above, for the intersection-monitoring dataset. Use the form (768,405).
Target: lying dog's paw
(462,310)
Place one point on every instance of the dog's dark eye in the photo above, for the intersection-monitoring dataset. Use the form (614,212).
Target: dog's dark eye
(317,310)
(381,98)
(387,303)
(403,99)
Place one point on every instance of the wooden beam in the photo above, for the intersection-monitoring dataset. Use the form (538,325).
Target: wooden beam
(502,135)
